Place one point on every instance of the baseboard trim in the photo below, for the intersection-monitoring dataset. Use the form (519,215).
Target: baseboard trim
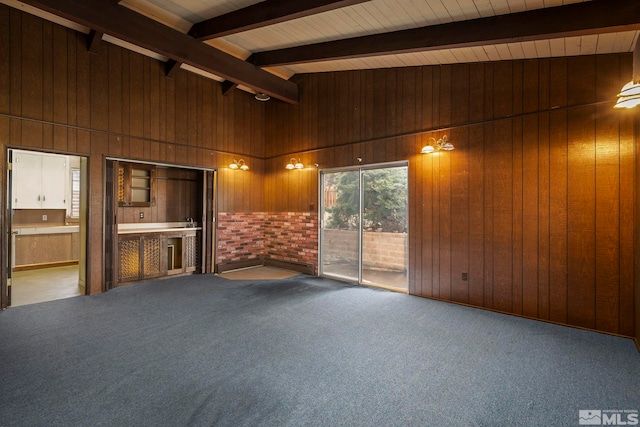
(234,265)
(530,318)
(27,267)
(293,266)
(287,265)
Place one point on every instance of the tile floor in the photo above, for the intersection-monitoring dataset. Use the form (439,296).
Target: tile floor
(395,281)
(258,273)
(46,284)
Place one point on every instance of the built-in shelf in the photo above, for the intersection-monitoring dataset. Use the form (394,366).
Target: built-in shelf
(136,185)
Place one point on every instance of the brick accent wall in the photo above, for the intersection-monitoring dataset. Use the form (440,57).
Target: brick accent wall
(292,237)
(280,236)
(240,236)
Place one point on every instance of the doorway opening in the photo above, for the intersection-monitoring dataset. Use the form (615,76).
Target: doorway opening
(364,225)
(159,221)
(47,209)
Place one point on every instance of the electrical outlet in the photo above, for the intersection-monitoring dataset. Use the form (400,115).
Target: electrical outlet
(44,217)
(141,214)
(464,277)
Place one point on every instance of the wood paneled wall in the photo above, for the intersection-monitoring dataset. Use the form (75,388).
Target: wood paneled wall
(536,203)
(55,96)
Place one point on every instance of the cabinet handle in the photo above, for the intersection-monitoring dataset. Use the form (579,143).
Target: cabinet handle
(38,197)
(43,198)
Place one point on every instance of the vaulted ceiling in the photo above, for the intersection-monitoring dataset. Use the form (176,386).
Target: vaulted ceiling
(258,45)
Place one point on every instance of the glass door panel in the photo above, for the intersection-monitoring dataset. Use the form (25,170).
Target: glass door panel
(384,227)
(364,225)
(340,225)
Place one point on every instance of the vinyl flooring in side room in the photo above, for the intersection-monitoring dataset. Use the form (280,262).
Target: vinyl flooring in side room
(45,284)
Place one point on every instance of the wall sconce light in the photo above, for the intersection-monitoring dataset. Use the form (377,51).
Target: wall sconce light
(629,95)
(441,144)
(239,164)
(294,164)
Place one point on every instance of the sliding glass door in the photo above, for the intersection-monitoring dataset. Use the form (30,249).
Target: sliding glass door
(363,233)
(340,224)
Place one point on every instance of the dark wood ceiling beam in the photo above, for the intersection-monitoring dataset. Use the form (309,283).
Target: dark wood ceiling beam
(171,67)
(592,17)
(94,39)
(227,86)
(265,13)
(636,63)
(109,18)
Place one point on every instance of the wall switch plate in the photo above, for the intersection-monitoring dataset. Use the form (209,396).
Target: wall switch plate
(44,217)
(141,214)
(464,277)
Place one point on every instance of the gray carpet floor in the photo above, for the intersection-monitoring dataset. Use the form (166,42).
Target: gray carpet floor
(303,351)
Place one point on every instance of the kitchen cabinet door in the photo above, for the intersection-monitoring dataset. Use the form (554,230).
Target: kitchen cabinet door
(27,180)
(54,179)
(39,181)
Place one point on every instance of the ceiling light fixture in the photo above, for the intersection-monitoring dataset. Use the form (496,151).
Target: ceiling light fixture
(294,164)
(262,96)
(441,144)
(239,164)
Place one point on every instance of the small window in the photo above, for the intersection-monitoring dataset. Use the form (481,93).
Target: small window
(75,193)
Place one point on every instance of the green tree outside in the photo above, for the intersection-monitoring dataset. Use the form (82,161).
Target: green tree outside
(384,200)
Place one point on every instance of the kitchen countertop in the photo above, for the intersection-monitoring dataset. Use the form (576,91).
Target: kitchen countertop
(137,228)
(61,229)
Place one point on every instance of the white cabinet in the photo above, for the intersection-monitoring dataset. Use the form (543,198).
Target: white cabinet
(38,181)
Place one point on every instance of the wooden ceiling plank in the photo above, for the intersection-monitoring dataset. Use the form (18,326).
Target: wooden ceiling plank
(543,48)
(529,49)
(596,16)
(557,47)
(107,17)
(261,14)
